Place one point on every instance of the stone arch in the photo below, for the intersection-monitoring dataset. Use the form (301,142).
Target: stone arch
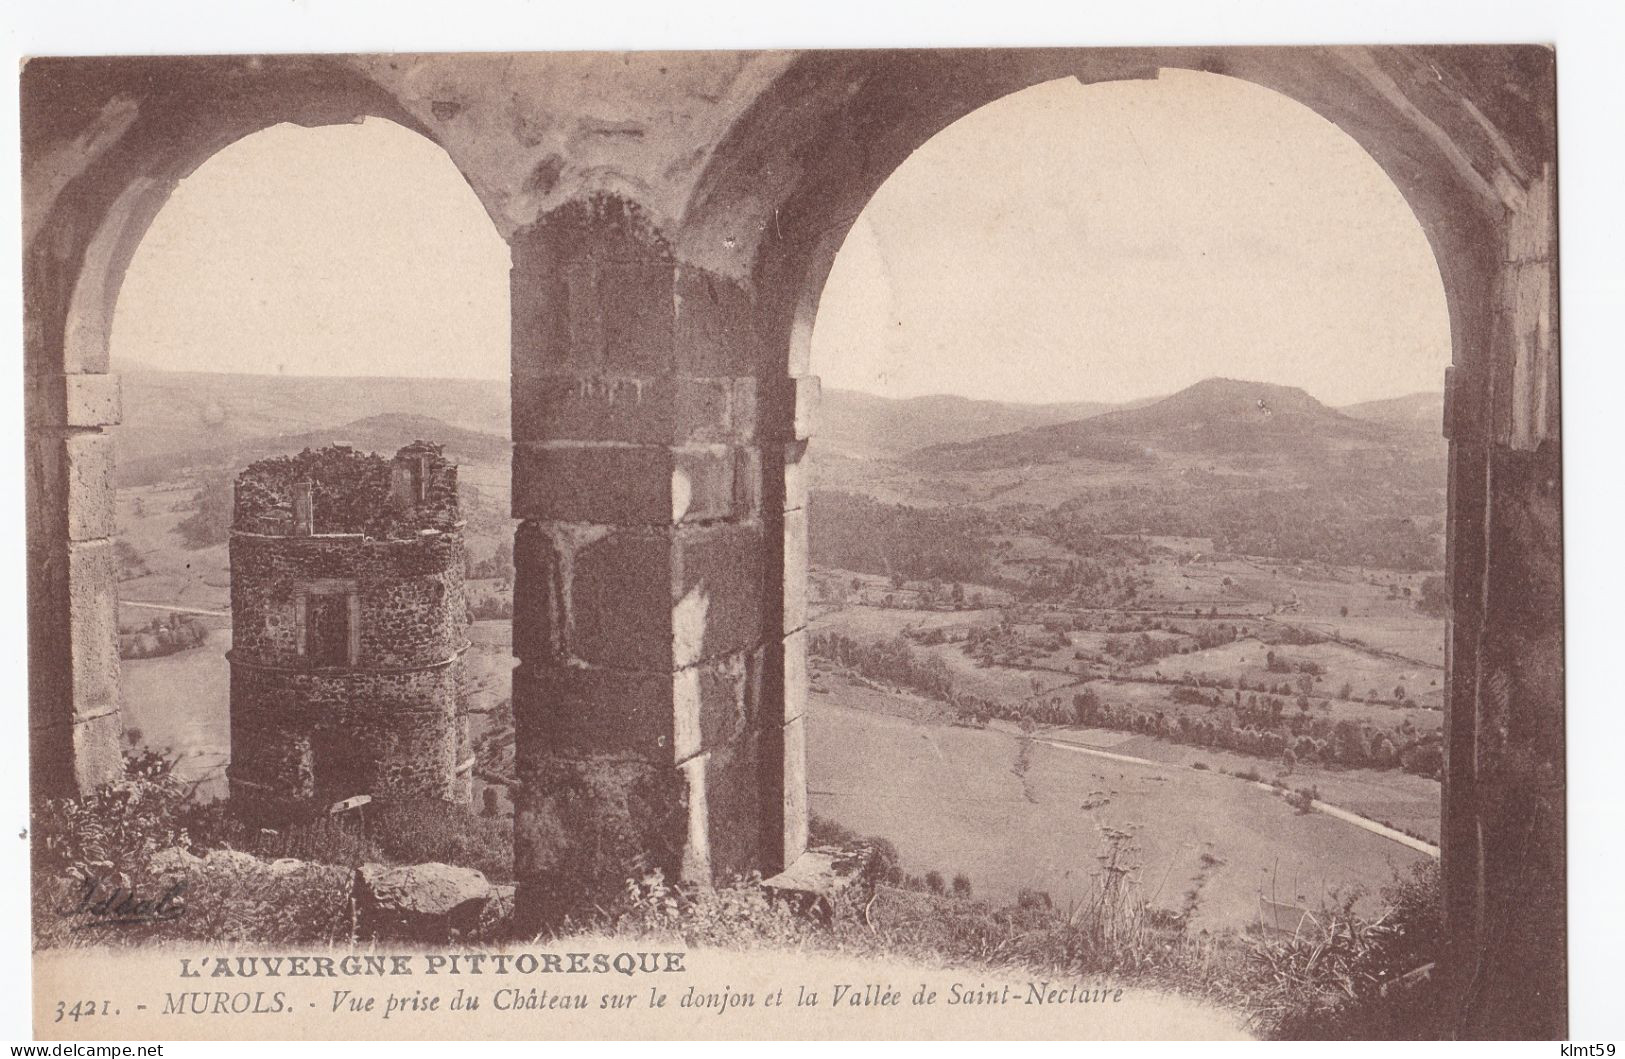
(142,126)
(672,219)
(1467,139)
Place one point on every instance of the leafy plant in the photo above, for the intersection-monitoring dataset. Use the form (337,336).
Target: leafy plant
(1344,976)
(117,828)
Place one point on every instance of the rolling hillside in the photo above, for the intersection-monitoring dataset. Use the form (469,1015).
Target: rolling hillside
(176,411)
(171,411)
(1417,411)
(383,433)
(865,425)
(1216,418)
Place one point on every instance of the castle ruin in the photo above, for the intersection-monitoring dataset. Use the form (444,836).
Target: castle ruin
(348,631)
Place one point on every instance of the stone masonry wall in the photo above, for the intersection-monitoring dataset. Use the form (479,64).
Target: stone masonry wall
(387,559)
(320,737)
(413,609)
(644,607)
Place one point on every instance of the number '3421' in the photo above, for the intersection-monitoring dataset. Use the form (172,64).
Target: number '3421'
(82,1009)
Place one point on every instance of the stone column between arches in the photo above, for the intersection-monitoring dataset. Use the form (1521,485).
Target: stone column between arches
(651,730)
(75,727)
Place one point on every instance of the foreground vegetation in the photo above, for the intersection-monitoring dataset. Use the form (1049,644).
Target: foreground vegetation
(1332,977)
(129,835)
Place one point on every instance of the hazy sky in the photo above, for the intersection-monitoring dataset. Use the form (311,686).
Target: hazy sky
(342,250)
(1069,242)
(1122,240)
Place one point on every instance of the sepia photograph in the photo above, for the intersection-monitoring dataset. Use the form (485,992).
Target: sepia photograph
(1059,542)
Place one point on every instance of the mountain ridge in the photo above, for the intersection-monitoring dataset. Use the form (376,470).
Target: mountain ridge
(1218,416)
(188,412)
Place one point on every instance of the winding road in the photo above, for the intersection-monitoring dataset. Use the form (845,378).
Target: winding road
(1336,812)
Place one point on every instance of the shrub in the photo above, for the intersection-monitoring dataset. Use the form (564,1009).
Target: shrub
(414,831)
(323,840)
(1345,977)
(118,827)
(487,607)
(1032,899)
(741,913)
(163,636)
(111,836)
(223,903)
(884,865)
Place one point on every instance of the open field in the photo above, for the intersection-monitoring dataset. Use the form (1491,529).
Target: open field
(1012,813)
(1401,800)
(1246,660)
(1016,813)
(1381,647)
(175,574)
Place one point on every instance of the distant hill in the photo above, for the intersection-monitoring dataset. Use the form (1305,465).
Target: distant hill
(1420,411)
(384,434)
(1256,468)
(865,425)
(183,411)
(1217,417)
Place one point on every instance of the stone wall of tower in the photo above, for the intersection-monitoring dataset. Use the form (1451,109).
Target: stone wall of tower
(349,625)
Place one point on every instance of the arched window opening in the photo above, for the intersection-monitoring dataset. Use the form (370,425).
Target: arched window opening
(306,288)
(1127,513)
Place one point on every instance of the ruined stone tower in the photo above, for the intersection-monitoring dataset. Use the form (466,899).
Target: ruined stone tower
(348,631)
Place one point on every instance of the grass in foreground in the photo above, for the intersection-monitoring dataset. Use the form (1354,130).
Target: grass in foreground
(1337,976)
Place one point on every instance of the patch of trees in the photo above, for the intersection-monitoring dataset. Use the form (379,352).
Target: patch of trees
(163,636)
(1005,644)
(1259,724)
(1069,526)
(1296,636)
(1398,526)
(1282,664)
(498,567)
(912,544)
(1212,635)
(130,563)
(894,662)
(1141,649)
(490,607)
(1264,728)
(211,506)
(1089,583)
(891,661)
(1434,598)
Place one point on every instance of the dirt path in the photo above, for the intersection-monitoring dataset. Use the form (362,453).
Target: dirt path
(1336,812)
(174,609)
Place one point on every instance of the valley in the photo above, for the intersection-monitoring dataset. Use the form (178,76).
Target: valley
(1230,587)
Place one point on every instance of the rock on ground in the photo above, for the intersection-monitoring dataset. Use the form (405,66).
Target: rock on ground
(420,902)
